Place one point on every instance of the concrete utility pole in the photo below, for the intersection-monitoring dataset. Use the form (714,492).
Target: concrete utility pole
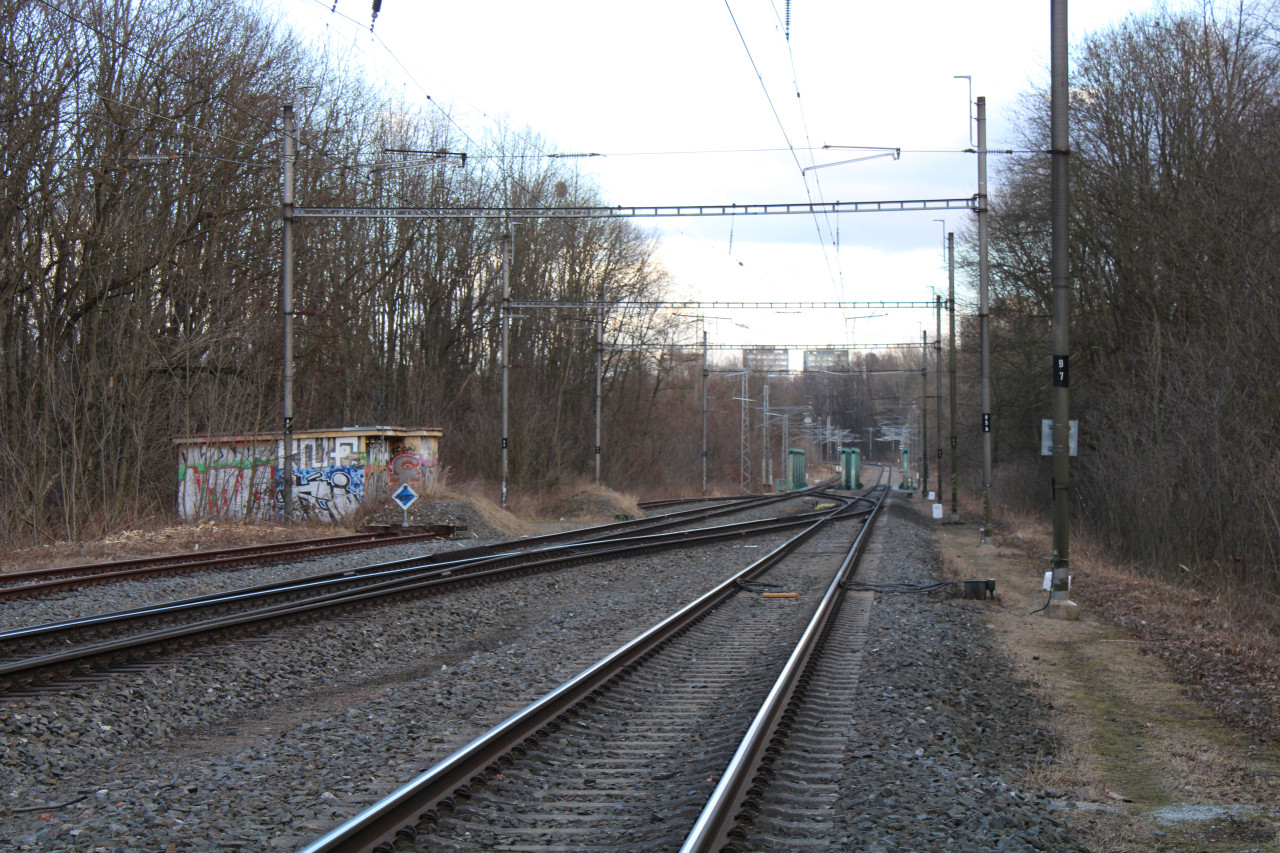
(507,239)
(286,307)
(955,453)
(984,320)
(1060,604)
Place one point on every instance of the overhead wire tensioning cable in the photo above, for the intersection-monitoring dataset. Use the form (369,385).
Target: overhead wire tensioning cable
(785,136)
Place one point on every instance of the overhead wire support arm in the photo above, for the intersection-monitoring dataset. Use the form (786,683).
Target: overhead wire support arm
(661,305)
(661,211)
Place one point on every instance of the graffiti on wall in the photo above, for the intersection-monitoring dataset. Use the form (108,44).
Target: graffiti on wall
(324,492)
(412,468)
(332,475)
(225,481)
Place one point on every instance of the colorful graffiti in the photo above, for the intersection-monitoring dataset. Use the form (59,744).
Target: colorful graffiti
(332,474)
(327,492)
(222,481)
(410,467)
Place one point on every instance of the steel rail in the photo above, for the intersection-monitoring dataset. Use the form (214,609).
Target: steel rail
(720,823)
(368,576)
(458,560)
(397,814)
(27,670)
(144,566)
(63,577)
(663,502)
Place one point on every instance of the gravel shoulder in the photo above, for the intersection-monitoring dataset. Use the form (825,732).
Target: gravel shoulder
(1143,765)
(977,727)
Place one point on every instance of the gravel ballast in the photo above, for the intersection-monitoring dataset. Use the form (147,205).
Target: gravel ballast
(265,744)
(940,738)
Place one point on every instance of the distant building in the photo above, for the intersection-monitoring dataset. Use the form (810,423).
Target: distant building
(766,359)
(334,470)
(826,359)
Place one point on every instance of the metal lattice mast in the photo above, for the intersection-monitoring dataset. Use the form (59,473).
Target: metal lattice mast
(955,452)
(937,353)
(766,454)
(286,307)
(924,412)
(744,434)
(984,321)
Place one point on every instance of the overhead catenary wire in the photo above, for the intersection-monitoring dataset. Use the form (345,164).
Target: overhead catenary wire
(785,136)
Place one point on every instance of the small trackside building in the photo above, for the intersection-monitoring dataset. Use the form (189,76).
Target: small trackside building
(334,471)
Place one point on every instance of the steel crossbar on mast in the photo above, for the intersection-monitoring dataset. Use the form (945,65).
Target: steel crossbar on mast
(695,349)
(620,212)
(291,212)
(664,304)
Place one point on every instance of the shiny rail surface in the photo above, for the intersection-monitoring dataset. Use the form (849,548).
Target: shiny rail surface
(725,819)
(36,581)
(41,655)
(413,810)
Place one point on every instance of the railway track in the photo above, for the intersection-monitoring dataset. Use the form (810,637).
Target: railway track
(52,655)
(37,581)
(668,743)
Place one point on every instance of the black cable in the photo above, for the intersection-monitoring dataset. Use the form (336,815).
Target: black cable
(1044,606)
(859,586)
(757,586)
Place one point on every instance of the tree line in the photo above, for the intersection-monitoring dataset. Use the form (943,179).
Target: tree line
(1175,266)
(140,209)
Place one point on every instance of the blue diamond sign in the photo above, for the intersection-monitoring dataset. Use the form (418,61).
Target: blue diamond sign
(405,496)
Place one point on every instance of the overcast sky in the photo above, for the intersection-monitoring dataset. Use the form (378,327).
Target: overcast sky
(640,82)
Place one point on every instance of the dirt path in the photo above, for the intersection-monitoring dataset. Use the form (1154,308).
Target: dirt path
(1151,768)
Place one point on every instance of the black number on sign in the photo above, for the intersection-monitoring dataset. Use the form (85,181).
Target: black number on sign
(504,444)
(1061,376)
(953,441)
(986,422)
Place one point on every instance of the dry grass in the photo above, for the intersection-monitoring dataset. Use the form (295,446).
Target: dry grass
(583,499)
(160,539)
(1222,642)
(1133,733)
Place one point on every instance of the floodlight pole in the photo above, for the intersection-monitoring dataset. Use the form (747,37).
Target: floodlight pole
(1060,604)
(984,320)
(955,453)
(286,307)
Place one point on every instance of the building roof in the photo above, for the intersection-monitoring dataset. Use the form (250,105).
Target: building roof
(338,432)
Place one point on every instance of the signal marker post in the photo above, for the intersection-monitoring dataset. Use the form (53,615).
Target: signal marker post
(405,496)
